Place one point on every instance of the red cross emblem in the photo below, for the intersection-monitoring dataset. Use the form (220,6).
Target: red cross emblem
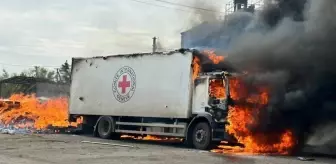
(124,84)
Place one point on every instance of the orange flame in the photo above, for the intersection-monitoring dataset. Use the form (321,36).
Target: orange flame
(217,89)
(196,67)
(213,57)
(197,62)
(39,115)
(151,138)
(241,117)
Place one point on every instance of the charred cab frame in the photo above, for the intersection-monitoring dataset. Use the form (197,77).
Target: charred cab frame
(217,108)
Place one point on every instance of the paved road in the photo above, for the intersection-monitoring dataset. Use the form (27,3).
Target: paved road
(60,149)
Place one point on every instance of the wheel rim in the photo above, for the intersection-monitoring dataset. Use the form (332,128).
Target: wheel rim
(200,136)
(105,127)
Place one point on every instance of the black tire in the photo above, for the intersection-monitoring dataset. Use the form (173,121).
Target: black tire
(105,127)
(201,136)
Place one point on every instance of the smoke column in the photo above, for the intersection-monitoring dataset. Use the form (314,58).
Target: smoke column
(290,47)
(296,57)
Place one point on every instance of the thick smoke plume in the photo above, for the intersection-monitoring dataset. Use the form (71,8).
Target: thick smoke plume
(290,47)
(209,15)
(296,58)
(275,12)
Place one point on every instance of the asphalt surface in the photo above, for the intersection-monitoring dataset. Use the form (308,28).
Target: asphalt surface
(60,149)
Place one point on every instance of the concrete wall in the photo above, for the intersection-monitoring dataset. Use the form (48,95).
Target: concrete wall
(220,34)
(52,90)
(192,37)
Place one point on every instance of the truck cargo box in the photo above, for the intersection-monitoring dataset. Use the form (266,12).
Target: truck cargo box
(140,85)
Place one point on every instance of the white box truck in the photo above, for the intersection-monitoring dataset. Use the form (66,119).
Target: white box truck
(149,94)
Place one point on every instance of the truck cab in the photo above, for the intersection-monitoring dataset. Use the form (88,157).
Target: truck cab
(212,95)
(211,100)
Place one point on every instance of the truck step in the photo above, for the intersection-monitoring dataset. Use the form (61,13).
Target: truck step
(150,133)
(151,124)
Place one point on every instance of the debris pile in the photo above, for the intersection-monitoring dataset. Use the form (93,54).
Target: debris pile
(27,114)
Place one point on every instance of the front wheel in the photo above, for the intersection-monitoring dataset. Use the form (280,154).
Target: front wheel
(201,136)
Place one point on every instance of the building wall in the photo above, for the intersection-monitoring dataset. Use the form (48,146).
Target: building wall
(191,37)
(220,34)
(216,35)
(52,90)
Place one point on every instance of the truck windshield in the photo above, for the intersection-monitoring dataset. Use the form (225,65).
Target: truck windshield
(217,88)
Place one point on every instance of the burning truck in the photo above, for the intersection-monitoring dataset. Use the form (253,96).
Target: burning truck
(161,94)
(169,94)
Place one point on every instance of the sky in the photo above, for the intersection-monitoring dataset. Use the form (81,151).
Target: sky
(48,32)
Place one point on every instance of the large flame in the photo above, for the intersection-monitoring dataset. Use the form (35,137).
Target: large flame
(242,117)
(35,114)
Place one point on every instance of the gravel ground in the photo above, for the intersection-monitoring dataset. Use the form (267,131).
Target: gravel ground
(60,149)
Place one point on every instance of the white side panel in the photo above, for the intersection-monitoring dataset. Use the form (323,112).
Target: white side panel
(161,86)
(200,97)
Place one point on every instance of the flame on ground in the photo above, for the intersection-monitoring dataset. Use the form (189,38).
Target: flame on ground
(31,113)
(151,138)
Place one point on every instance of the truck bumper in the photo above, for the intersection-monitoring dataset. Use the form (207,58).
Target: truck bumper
(219,134)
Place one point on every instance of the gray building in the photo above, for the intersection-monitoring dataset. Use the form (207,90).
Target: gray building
(220,34)
(31,85)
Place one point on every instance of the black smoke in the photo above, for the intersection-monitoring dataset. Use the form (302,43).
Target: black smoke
(275,12)
(296,58)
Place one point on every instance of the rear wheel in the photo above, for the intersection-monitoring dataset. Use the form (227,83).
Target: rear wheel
(106,128)
(201,136)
